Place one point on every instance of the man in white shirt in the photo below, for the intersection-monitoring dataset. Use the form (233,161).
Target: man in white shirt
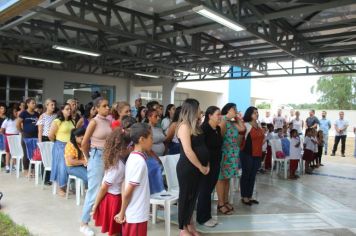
(267,119)
(279,122)
(340,133)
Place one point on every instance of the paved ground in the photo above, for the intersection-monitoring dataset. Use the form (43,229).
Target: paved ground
(320,204)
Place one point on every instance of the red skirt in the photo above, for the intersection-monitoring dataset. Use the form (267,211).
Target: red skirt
(104,215)
(308,155)
(135,229)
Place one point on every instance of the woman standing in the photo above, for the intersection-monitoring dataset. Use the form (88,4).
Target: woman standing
(168,116)
(123,109)
(45,120)
(94,139)
(192,165)
(213,141)
(250,155)
(60,134)
(230,125)
(89,113)
(141,114)
(26,124)
(171,138)
(158,146)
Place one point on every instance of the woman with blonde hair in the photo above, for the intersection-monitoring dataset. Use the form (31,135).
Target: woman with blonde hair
(121,109)
(46,119)
(192,165)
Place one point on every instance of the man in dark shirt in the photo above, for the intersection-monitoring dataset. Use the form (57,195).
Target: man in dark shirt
(312,121)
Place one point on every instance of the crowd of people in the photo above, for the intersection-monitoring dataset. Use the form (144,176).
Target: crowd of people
(115,151)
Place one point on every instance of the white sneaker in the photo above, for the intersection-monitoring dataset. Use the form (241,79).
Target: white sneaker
(210,223)
(86,230)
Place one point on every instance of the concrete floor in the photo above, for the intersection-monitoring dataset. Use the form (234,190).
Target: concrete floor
(320,204)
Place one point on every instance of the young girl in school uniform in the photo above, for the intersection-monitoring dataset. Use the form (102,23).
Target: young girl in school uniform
(108,200)
(315,141)
(309,147)
(295,153)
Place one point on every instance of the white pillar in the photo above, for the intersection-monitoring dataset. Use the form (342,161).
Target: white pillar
(168,89)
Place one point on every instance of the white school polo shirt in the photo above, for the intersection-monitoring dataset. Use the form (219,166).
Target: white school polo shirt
(114,177)
(136,174)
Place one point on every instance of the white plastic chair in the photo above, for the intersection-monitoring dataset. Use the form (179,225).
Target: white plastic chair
(16,152)
(79,188)
(46,154)
(279,161)
(170,197)
(36,164)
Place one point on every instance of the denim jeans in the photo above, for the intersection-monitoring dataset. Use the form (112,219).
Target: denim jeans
(95,174)
(59,170)
(80,172)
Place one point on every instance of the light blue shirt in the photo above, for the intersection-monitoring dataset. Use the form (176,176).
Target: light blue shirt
(325,125)
(133,111)
(341,124)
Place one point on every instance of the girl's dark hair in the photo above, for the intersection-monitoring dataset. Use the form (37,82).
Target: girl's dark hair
(227,108)
(176,114)
(151,104)
(308,130)
(98,101)
(116,145)
(211,110)
(150,112)
(169,107)
(76,133)
(87,110)
(139,130)
(27,101)
(138,116)
(60,115)
(248,114)
(293,131)
(10,112)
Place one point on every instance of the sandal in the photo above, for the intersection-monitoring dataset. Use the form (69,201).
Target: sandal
(254,201)
(229,206)
(226,212)
(246,203)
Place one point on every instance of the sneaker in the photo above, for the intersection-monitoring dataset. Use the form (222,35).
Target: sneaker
(86,230)
(210,223)
(7,168)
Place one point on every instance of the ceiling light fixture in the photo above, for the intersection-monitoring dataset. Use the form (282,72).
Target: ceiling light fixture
(6,4)
(40,59)
(147,75)
(185,71)
(208,13)
(75,50)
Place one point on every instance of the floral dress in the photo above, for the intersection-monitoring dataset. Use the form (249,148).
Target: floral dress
(229,165)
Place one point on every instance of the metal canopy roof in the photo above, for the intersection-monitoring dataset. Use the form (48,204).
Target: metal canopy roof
(157,37)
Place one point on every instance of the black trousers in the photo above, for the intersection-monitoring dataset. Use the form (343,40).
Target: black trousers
(250,165)
(206,188)
(336,143)
(48,175)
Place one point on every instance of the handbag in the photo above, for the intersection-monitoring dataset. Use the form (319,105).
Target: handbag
(36,156)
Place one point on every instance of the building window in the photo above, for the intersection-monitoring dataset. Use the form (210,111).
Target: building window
(15,89)
(149,95)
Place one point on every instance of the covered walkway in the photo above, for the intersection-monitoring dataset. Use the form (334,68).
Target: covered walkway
(319,204)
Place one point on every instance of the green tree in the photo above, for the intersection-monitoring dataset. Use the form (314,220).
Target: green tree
(263,105)
(337,91)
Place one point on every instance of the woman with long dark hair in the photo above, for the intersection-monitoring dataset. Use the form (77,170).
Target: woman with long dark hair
(89,113)
(168,116)
(141,114)
(213,141)
(250,155)
(60,134)
(192,165)
(171,138)
(75,161)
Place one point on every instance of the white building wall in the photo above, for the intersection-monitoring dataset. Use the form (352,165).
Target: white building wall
(53,80)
